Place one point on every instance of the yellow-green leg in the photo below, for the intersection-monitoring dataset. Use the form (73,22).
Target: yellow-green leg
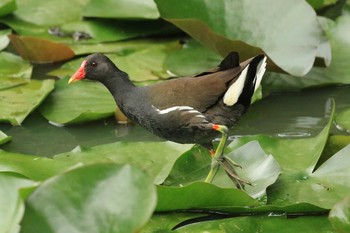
(219,159)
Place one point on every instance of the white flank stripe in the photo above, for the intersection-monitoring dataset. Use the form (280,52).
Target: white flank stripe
(176,108)
(232,94)
(261,70)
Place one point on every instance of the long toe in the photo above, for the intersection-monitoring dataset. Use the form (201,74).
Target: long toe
(229,165)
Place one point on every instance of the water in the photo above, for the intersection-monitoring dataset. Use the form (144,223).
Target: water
(291,115)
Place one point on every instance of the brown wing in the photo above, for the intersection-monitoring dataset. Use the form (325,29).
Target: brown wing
(197,92)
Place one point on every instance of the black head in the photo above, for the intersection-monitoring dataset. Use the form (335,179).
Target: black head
(95,67)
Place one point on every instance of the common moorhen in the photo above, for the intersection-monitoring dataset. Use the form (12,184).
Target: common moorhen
(185,110)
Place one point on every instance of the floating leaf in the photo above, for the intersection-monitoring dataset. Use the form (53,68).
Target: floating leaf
(41,50)
(155,158)
(224,26)
(18,102)
(95,198)
(4,40)
(340,215)
(317,4)
(7,6)
(257,167)
(33,167)
(343,120)
(11,202)
(13,66)
(337,72)
(145,9)
(4,138)
(80,102)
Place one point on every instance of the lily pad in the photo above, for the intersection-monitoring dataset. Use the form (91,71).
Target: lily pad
(18,102)
(11,201)
(154,158)
(77,103)
(13,66)
(107,198)
(224,26)
(142,60)
(4,138)
(7,6)
(40,50)
(340,215)
(4,40)
(337,72)
(257,167)
(343,120)
(145,9)
(33,167)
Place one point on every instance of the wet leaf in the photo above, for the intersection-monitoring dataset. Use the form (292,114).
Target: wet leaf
(18,102)
(106,198)
(11,201)
(145,9)
(142,60)
(257,167)
(4,40)
(154,158)
(219,26)
(40,50)
(4,138)
(7,6)
(33,167)
(76,103)
(13,66)
(343,120)
(340,215)
(337,72)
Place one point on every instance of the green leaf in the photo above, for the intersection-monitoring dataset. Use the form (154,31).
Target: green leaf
(13,66)
(340,215)
(338,70)
(33,167)
(202,196)
(4,40)
(343,119)
(7,6)
(257,167)
(317,4)
(155,158)
(121,9)
(40,50)
(95,198)
(181,63)
(11,202)
(80,102)
(18,102)
(4,138)
(251,27)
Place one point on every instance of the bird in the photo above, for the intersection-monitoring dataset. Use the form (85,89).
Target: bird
(194,109)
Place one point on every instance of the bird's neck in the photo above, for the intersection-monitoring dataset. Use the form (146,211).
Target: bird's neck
(119,85)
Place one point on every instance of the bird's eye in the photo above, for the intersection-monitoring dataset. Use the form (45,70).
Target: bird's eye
(93,64)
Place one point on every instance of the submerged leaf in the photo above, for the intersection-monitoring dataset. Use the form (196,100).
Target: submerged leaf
(94,198)
(80,102)
(11,202)
(41,50)
(240,25)
(18,102)
(155,158)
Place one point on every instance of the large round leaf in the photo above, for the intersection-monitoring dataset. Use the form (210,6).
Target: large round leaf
(340,215)
(251,27)
(13,66)
(95,198)
(18,102)
(76,103)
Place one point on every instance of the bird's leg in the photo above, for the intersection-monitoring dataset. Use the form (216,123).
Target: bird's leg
(219,159)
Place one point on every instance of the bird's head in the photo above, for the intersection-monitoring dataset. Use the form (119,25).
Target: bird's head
(95,67)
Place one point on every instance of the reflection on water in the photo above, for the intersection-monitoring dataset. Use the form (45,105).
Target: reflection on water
(297,114)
